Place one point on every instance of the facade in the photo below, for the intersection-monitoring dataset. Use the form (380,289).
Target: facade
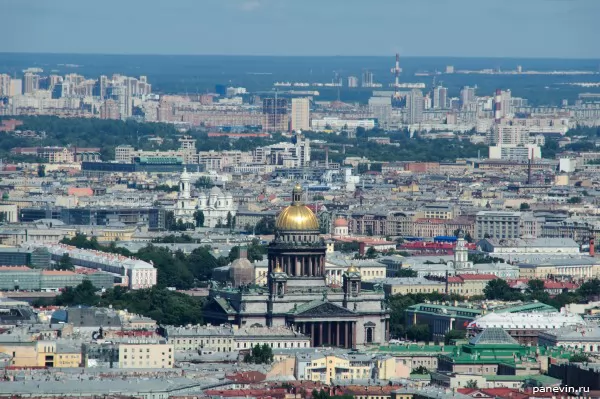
(297,294)
(577,337)
(497,225)
(129,354)
(300,114)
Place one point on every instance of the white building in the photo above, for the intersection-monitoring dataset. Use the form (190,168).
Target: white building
(185,207)
(216,206)
(584,337)
(300,114)
(525,321)
(337,124)
(511,152)
(537,246)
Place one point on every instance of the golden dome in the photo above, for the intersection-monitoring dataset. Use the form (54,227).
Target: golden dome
(352,269)
(297,217)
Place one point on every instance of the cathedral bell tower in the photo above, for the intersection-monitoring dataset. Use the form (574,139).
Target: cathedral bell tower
(277,282)
(351,284)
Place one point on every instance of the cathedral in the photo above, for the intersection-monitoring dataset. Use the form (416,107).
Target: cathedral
(215,206)
(297,294)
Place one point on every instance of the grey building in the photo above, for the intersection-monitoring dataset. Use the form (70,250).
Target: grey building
(497,224)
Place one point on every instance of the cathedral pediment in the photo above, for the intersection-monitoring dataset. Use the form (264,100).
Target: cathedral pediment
(321,309)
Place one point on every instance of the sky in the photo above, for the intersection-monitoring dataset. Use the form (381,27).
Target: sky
(461,28)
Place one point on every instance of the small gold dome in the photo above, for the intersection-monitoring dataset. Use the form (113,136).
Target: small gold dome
(278,268)
(297,218)
(352,269)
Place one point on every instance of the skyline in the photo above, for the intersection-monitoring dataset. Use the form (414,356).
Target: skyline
(537,29)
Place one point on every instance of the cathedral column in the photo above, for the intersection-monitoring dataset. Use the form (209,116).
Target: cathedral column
(347,335)
(320,333)
(312,334)
(353,331)
(337,335)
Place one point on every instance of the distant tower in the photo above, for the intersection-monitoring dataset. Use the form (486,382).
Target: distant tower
(184,185)
(396,71)
(498,105)
(530,167)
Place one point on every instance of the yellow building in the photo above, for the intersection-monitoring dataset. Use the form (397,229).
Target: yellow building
(469,285)
(325,368)
(142,354)
(408,285)
(577,268)
(24,353)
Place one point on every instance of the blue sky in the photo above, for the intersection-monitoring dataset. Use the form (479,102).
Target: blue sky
(497,28)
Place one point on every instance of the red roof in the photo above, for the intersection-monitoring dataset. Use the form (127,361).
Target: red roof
(247,377)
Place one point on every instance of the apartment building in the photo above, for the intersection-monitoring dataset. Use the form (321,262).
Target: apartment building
(497,224)
(136,353)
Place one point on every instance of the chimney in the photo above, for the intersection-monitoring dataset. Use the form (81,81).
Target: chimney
(243,252)
(592,248)
(361,248)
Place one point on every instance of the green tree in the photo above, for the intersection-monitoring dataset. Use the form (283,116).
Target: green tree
(229,220)
(471,384)
(524,206)
(406,272)
(41,170)
(579,358)
(199,218)
(65,263)
(420,370)
(454,335)
(371,253)
(265,226)
(419,332)
(499,289)
(574,200)
(259,355)
(83,294)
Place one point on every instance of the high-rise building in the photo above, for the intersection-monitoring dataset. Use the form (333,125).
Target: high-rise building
(110,110)
(275,115)
(352,81)
(440,97)
(4,85)
(467,97)
(503,106)
(381,108)
(367,79)
(31,83)
(506,133)
(16,87)
(415,106)
(300,113)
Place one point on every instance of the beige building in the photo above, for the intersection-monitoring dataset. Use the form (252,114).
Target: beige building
(469,285)
(300,114)
(229,339)
(146,354)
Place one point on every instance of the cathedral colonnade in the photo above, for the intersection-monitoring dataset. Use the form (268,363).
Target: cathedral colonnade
(339,333)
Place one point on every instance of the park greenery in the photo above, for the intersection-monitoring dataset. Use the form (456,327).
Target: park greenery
(174,268)
(499,289)
(260,354)
(162,305)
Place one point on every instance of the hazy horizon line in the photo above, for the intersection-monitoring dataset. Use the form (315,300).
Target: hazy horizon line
(297,55)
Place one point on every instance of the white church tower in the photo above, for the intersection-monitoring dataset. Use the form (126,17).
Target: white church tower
(461,253)
(185,205)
